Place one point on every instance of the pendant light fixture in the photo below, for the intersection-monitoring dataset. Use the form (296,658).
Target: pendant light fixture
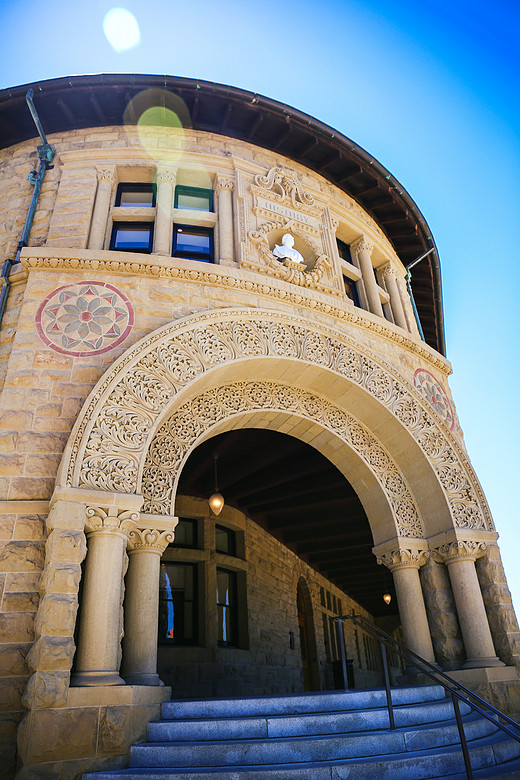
(387,598)
(216,501)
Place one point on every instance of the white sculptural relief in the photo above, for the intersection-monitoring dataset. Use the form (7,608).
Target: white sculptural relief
(286,249)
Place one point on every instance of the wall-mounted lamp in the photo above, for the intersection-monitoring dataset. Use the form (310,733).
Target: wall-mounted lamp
(216,501)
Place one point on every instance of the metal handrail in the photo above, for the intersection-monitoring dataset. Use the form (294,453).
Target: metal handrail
(457,691)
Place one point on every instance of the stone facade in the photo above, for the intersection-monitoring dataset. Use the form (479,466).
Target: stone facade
(115,365)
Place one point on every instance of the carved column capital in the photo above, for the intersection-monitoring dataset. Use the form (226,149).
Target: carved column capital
(363,245)
(168,176)
(459,551)
(110,520)
(149,540)
(224,183)
(389,270)
(403,557)
(106,174)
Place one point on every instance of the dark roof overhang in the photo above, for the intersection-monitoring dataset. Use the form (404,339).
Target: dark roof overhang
(75,102)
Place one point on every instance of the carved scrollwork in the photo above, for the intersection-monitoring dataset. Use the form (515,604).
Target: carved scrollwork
(404,557)
(110,519)
(149,539)
(363,245)
(161,468)
(285,185)
(224,183)
(459,550)
(117,422)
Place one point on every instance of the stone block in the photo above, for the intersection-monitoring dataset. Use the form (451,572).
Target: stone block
(31,487)
(16,627)
(74,770)
(30,527)
(114,730)
(22,582)
(7,527)
(15,420)
(12,660)
(22,556)
(11,464)
(50,770)
(46,689)
(61,734)
(56,615)
(42,465)
(64,546)
(8,442)
(8,726)
(34,441)
(61,578)
(51,653)
(20,602)
(67,515)
(11,692)
(8,760)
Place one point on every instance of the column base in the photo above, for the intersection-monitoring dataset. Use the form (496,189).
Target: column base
(95,678)
(479,663)
(142,679)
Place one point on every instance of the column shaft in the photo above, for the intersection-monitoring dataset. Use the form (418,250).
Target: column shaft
(364,250)
(395,298)
(225,219)
(101,208)
(139,665)
(413,612)
(97,657)
(473,621)
(163,219)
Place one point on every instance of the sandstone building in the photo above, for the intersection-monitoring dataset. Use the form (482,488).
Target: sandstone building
(210,272)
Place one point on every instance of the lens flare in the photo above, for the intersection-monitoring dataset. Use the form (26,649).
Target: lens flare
(121,29)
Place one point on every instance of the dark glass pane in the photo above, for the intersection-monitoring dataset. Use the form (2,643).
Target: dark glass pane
(190,241)
(177,603)
(185,533)
(131,238)
(225,540)
(344,251)
(226,607)
(198,202)
(329,602)
(136,199)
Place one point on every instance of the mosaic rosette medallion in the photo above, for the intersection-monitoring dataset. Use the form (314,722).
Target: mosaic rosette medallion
(430,389)
(86,318)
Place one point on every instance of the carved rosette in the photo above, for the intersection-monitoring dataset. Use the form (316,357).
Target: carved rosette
(224,183)
(404,558)
(110,520)
(113,432)
(149,540)
(459,551)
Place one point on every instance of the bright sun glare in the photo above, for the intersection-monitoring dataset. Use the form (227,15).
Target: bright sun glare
(121,29)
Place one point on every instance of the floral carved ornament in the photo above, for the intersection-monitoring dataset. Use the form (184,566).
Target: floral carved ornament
(112,437)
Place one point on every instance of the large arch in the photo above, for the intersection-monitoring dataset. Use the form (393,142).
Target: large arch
(108,447)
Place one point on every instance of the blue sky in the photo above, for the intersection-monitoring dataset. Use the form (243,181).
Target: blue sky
(430,89)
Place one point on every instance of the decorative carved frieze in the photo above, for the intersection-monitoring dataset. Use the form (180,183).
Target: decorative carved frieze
(389,270)
(127,402)
(284,185)
(224,183)
(459,550)
(110,519)
(363,245)
(149,539)
(178,435)
(404,557)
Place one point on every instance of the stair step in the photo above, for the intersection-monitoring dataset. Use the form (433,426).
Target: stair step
(297,703)
(335,722)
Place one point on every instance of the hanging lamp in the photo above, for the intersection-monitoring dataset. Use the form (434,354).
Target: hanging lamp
(216,501)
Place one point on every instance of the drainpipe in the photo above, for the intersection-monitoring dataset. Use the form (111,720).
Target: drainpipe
(46,154)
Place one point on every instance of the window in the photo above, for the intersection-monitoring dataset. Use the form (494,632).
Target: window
(227,612)
(178,603)
(344,251)
(194,198)
(135,195)
(185,533)
(132,237)
(351,290)
(225,540)
(194,243)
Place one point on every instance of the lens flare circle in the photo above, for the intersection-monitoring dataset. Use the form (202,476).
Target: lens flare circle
(121,29)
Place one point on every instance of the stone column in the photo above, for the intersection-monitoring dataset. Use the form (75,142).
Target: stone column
(97,657)
(364,249)
(106,180)
(390,276)
(404,565)
(224,188)
(146,546)
(163,220)
(459,557)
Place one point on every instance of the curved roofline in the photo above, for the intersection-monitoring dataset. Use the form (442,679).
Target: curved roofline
(94,100)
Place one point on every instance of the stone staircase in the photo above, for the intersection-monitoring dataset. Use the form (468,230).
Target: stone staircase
(318,736)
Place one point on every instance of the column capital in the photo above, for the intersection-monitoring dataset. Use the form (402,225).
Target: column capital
(107,174)
(224,183)
(459,551)
(389,270)
(166,175)
(403,557)
(110,519)
(149,540)
(362,244)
